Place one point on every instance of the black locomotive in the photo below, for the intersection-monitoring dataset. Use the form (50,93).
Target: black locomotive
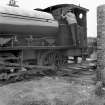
(40,38)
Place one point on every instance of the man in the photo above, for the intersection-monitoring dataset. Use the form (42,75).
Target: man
(72,23)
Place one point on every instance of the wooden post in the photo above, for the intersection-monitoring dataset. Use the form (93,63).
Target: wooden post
(100,49)
(21,58)
(12,43)
(101,43)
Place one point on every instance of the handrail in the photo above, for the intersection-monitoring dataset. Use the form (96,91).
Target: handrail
(27,17)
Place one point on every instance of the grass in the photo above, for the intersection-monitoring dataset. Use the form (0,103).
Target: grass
(49,91)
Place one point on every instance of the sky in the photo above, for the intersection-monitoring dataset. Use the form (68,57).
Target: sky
(89,4)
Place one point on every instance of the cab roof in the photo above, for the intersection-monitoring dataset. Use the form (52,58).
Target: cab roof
(72,6)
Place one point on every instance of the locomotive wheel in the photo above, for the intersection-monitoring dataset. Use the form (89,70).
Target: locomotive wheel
(54,58)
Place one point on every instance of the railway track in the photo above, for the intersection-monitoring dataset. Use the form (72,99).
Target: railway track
(25,72)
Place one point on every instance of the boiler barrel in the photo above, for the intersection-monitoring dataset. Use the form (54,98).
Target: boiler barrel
(20,21)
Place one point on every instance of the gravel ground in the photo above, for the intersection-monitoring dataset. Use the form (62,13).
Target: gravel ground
(48,91)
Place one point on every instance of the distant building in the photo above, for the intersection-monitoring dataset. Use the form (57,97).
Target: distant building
(92,47)
(92,42)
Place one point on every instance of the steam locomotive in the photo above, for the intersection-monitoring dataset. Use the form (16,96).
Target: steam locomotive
(40,37)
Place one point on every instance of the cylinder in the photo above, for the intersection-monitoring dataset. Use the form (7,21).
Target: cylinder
(101,43)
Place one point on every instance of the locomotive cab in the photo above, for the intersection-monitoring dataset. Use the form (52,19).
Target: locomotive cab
(81,18)
(64,34)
